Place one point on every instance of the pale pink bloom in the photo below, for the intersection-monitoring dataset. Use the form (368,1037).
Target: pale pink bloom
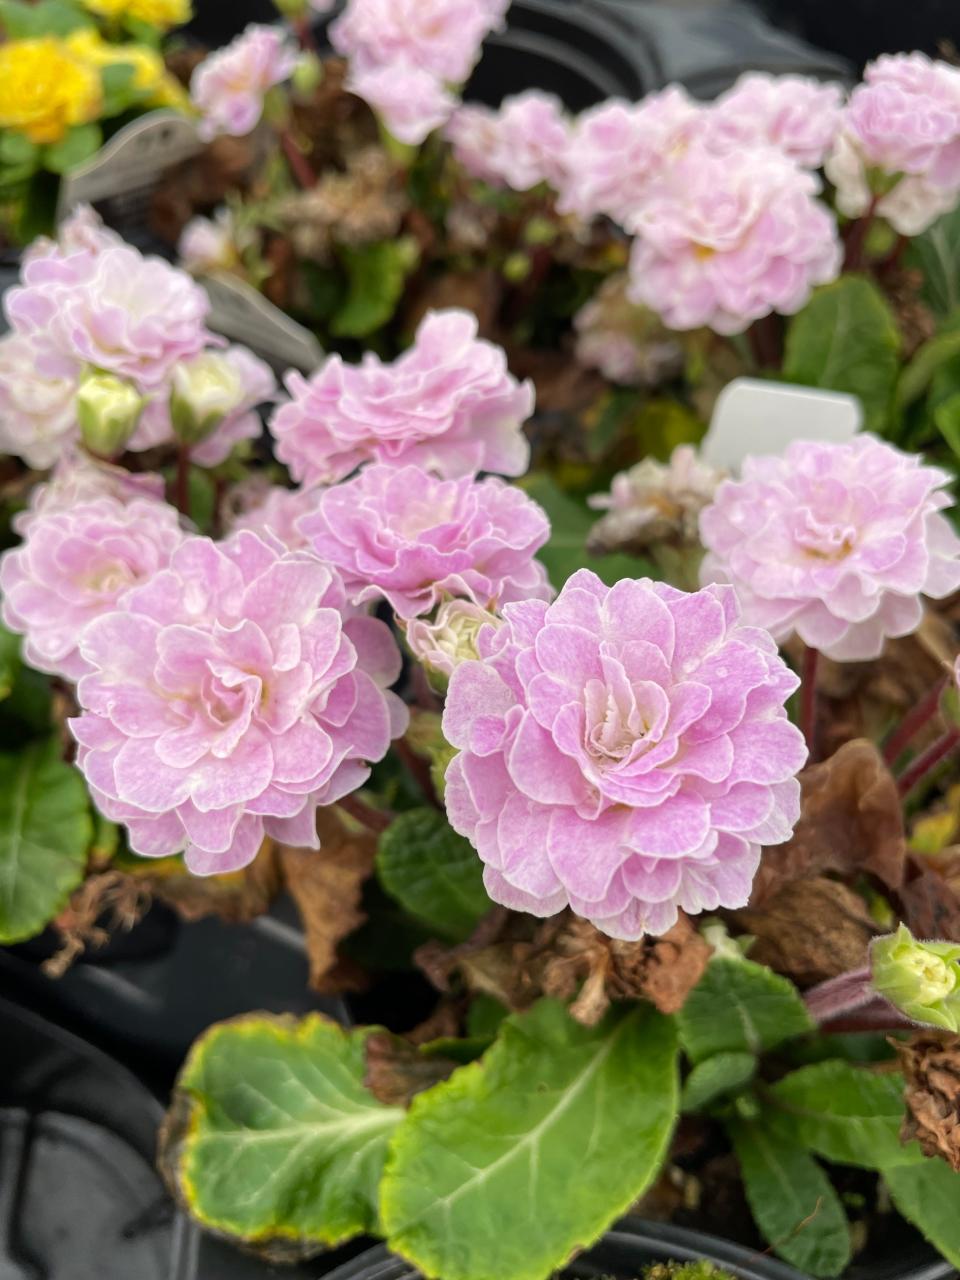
(229,699)
(118,310)
(520,145)
(619,148)
(277,511)
(903,120)
(439,36)
(835,543)
(624,752)
(443,642)
(797,115)
(229,86)
(208,244)
(410,101)
(82,232)
(654,501)
(724,240)
(449,403)
(256,386)
(402,534)
(79,478)
(38,417)
(76,565)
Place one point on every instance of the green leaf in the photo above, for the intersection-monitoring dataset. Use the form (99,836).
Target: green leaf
(740,1007)
(845,1113)
(846,339)
(376,275)
(928,1195)
(947,417)
(45,832)
(433,872)
(717,1077)
(73,149)
(570,525)
(937,254)
(9,661)
(17,151)
(521,1158)
(792,1202)
(119,88)
(273,1138)
(920,372)
(46,18)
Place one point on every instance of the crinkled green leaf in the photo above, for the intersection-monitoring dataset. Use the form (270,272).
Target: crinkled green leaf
(846,339)
(928,1195)
(792,1201)
(17,151)
(715,1078)
(119,88)
(529,1154)
(570,525)
(915,379)
(846,1113)
(740,1007)
(433,872)
(937,254)
(21,21)
(45,833)
(376,275)
(73,149)
(273,1136)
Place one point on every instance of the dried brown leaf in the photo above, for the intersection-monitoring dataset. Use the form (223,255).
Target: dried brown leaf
(851,821)
(931,1065)
(327,886)
(237,897)
(811,930)
(397,1070)
(929,900)
(106,902)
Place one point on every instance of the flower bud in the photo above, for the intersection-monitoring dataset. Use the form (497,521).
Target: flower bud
(204,391)
(307,75)
(108,410)
(922,979)
(451,638)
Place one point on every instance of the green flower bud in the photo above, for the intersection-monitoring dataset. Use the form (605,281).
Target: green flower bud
(295,10)
(204,391)
(922,979)
(307,75)
(108,410)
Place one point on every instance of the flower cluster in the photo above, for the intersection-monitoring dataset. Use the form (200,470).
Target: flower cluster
(45,89)
(654,503)
(524,143)
(229,699)
(404,55)
(228,87)
(899,148)
(400,534)
(448,404)
(834,543)
(89,303)
(157,13)
(624,752)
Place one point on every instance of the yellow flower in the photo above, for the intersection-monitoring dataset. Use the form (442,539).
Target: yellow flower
(159,13)
(45,90)
(150,76)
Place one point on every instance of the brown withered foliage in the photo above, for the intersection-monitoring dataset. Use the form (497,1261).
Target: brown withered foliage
(930,898)
(810,930)
(398,1070)
(931,1065)
(568,958)
(327,885)
(851,823)
(106,902)
(236,898)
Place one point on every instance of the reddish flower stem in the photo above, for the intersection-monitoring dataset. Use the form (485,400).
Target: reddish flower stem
(297,161)
(765,337)
(849,1003)
(857,237)
(420,770)
(912,723)
(305,35)
(182,481)
(928,760)
(373,819)
(808,699)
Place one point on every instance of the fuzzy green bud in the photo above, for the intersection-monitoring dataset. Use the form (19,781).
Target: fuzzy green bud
(203,392)
(307,75)
(108,410)
(293,10)
(922,979)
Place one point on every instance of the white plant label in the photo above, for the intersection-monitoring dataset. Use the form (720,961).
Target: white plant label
(240,313)
(119,181)
(752,416)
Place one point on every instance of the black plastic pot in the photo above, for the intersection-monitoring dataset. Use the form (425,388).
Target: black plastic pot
(151,992)
(862,29)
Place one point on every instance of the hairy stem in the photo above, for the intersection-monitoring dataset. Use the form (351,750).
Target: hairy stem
(808,699)
(912,723)
(373,819)
(928,760)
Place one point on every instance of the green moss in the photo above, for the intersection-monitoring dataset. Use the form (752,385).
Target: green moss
(701,1270)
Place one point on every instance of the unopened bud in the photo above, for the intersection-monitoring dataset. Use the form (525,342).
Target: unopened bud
(205,390)
(451,638)
(922,979)
(108,410)
(307,75)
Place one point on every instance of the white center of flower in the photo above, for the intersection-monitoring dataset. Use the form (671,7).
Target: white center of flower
(935,978)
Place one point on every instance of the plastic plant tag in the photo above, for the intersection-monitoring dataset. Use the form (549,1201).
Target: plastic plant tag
(120,180)
(754,417)
(242,314)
